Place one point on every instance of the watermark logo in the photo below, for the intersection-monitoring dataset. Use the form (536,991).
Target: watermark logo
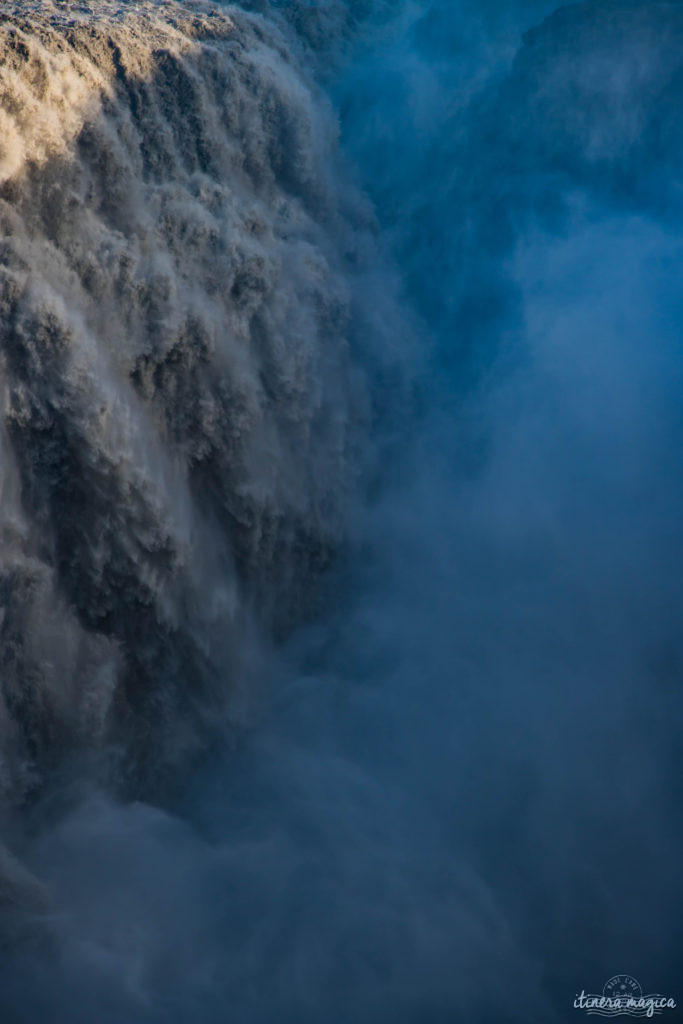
(623,995)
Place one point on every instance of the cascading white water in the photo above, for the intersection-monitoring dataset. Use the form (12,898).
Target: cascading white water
(459,799)
(182,408)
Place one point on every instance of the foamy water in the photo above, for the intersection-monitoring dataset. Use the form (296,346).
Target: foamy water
(340,509)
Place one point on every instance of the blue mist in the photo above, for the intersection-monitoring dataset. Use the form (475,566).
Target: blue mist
(464,802)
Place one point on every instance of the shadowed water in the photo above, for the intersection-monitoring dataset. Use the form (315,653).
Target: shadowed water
(453,792)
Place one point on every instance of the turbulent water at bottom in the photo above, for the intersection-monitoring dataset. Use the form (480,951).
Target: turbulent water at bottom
(341,504)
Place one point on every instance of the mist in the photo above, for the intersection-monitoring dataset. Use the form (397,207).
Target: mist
(456,793)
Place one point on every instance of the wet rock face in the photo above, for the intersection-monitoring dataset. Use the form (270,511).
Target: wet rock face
(581,120)
(592,94)
(180,411)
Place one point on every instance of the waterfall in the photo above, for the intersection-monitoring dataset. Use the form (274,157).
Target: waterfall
(341,510)
(184,401)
